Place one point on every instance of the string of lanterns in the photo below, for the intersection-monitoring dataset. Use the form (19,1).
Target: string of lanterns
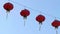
(25,13)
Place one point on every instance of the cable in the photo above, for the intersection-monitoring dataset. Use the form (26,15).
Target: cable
(8,0)
(34,9)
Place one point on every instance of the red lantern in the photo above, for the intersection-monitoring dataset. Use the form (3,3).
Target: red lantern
(56,24)
(25,13)
(8,7)
(40,19)
(59,23)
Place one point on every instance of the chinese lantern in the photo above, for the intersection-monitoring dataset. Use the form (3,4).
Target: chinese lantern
(8,7)
(40,19)
(25,13)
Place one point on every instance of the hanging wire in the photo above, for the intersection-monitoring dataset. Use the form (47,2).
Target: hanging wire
(34,9)
(8,0)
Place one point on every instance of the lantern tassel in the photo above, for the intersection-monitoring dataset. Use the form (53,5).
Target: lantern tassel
(56,31)
(24,21)
(6,15)
(40,26)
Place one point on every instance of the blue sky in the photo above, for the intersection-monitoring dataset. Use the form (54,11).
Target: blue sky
(15,24)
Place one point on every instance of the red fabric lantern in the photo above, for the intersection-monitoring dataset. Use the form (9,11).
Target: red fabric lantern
(8,6)
(25,13)
(55,23)
(40,19)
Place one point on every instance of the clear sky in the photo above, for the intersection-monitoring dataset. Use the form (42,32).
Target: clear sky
(15,24)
